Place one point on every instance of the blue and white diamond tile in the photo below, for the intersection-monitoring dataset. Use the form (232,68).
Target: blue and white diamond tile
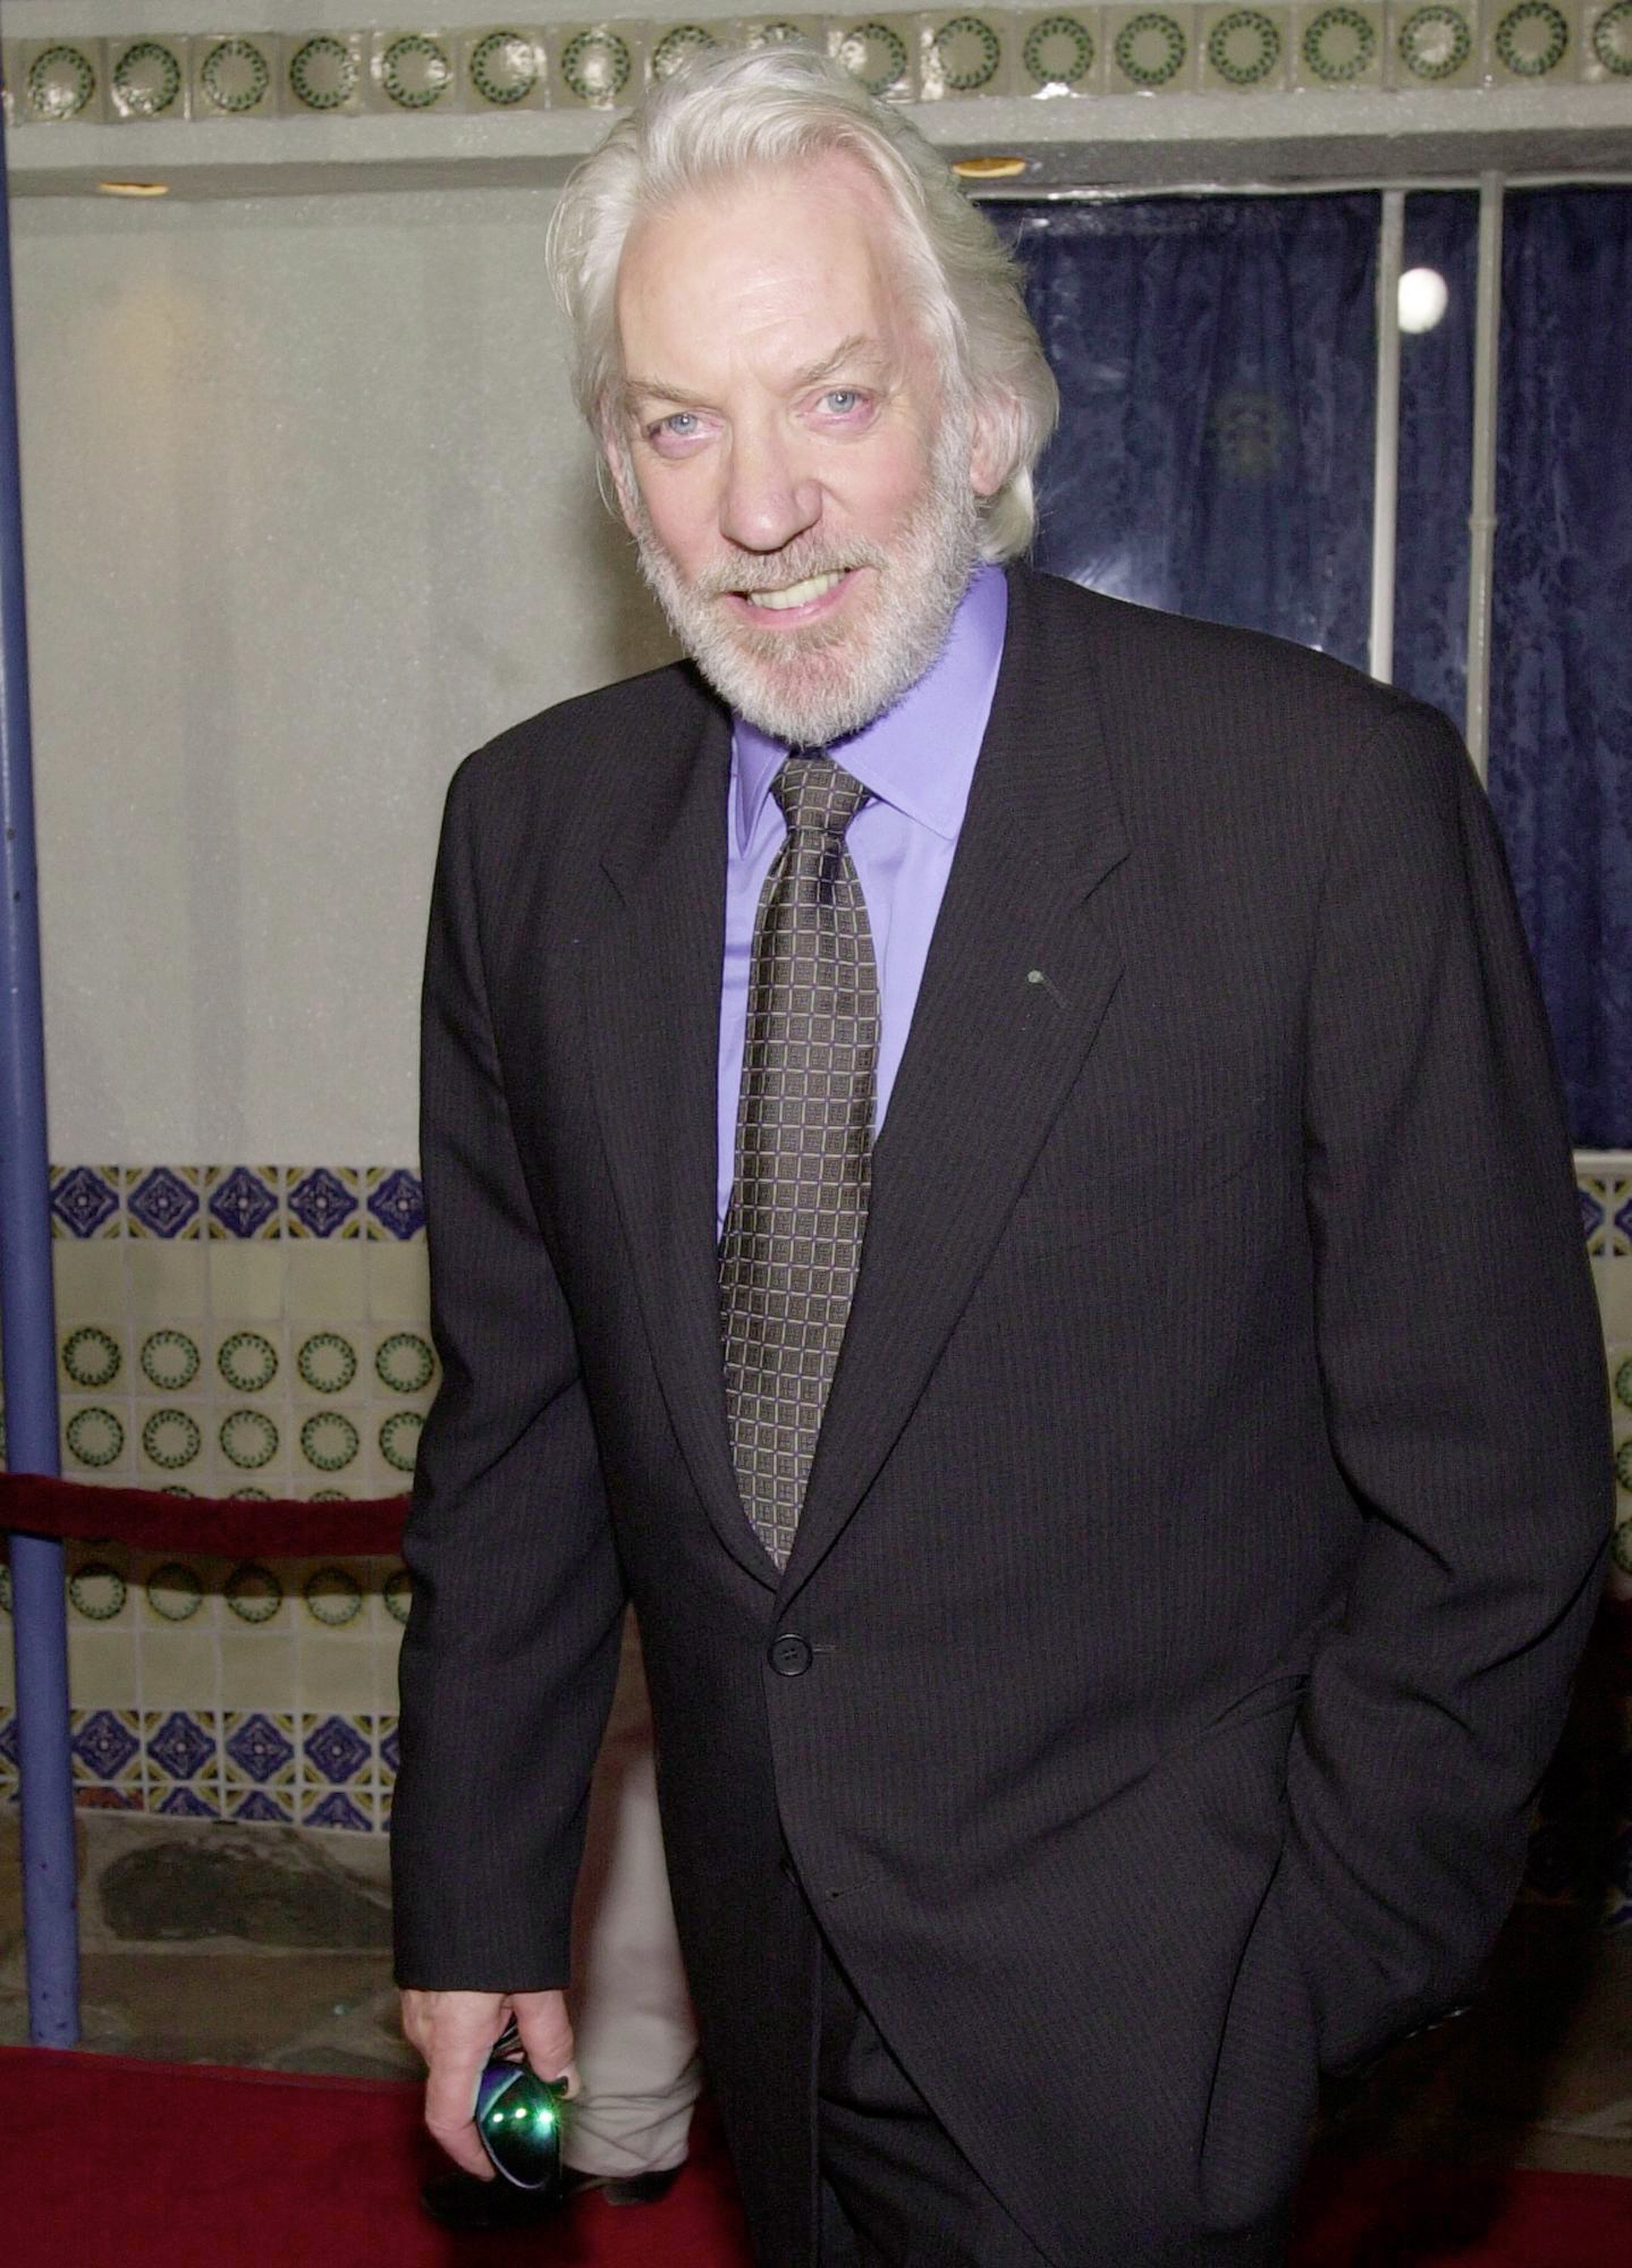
(107,1745)
(396,1203)
(337,1748)
(189,1803)
(390,1748)
(322,1202)
(258,1806)
(259,1746)
(162,1201)
(336,1810)
(85,1201)
(242,1201)
(8,1744)
(1605,1200)
(180,1742)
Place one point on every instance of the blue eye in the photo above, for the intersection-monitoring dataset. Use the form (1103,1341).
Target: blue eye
(843,398)
(680,424)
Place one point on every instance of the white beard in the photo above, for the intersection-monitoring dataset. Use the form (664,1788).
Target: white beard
(813,686)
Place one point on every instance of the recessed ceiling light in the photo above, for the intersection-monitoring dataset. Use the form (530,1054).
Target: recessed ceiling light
(133,188)
(989,168)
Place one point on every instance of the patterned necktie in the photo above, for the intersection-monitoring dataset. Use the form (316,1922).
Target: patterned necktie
(793,1239)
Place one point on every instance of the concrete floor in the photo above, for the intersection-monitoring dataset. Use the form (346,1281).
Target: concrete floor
(269,1946)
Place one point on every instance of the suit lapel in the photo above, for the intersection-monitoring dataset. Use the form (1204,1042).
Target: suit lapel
(993,1050)
(652,993)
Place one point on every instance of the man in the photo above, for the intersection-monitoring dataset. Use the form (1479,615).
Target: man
(992,1156)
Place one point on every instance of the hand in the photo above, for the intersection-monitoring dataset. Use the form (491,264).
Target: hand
(454,2032)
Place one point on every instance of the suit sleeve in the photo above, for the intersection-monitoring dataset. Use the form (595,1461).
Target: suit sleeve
(1462,1368)
(511,1652)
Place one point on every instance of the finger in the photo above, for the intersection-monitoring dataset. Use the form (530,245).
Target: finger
(546,2035)
(450,2103)
(463,2147)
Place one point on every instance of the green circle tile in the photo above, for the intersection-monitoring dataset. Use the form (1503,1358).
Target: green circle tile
(253,1592)
(596,65)
(1623,1464)
(330,1440)
(1612,39)
(248,1439)
(399,1440)
(247,1361)
(170,1359)
(326,1362)
(96,1436)
(969,52)
(1338,44)
(502,68)
(1622,1546)
(404,1362)
(172,1438)
(60,81)
(1150,48)
(330,1496)
(5,1588)
(677,46)
(876,53)
(334,1596)
(415,71)
(235,74)
(1435,41)
(1531,38)
(174,1591)
(148,77)
(1623,1370)
(323,73)
(97,1591)
(1243,46)
(1058,52)
(249,1494)
(92,1357)
(398,1594)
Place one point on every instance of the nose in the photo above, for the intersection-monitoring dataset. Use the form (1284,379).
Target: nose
(769,498)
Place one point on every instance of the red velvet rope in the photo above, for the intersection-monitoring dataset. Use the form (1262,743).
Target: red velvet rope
(225,1527)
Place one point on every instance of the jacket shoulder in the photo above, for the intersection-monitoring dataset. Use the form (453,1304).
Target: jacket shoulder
(578,754)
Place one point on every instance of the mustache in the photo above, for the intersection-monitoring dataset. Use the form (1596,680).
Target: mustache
(794,565)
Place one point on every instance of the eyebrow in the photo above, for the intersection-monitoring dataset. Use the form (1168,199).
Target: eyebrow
(855,351)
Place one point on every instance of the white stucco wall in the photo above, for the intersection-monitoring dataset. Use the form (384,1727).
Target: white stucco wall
(309,515)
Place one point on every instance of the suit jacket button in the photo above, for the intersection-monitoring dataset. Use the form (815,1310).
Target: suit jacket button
(789,1655)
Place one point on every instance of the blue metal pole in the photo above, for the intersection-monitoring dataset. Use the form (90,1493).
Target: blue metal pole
(27,1310)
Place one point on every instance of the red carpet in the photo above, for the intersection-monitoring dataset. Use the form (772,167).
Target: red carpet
(106,2162)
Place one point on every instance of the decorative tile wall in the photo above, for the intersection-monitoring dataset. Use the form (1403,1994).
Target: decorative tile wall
(243,1331)
(1319,46)
(255,1330)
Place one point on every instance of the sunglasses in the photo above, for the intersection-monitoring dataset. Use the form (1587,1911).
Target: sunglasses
(518,2116)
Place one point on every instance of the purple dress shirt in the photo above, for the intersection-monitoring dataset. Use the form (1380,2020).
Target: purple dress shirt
(919,762)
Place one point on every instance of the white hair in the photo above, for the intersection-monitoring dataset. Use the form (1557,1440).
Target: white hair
(722,117)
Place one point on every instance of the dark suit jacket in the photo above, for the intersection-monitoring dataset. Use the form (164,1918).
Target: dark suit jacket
(1210,1501)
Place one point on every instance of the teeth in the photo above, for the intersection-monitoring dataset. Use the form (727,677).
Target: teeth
(796,594)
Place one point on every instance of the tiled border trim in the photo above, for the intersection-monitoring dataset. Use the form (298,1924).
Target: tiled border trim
(244,1203)
(1319,46)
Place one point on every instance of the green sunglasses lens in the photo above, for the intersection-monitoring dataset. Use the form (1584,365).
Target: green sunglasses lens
(518,2118)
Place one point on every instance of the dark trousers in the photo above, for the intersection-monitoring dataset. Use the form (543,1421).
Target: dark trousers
(897,2192)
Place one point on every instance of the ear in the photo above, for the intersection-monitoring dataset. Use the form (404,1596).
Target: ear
(989,447)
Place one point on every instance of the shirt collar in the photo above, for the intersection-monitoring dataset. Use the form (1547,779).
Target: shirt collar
(919,756)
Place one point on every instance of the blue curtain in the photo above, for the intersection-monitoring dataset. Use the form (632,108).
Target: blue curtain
(1436,459)
(1215,361)
(1561,687)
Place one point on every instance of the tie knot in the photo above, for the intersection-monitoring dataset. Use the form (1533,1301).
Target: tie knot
(815,795)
